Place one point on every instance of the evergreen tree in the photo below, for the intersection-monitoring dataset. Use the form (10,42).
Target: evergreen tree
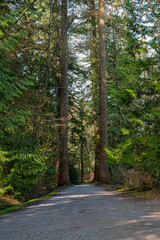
(103,174)
(63,99)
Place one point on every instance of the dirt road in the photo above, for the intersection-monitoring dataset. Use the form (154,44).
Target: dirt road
(85,212)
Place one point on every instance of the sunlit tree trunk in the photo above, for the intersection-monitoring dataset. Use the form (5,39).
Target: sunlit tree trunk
(94,80)
(63,100)
(103,142)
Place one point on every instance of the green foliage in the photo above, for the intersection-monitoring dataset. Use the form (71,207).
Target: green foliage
(133,103)
(9,190)
(141,153)
(117,173)
(73,174)
(50,177)
(26,115)
(26,172)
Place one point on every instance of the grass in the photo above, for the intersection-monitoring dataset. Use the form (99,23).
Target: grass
(28,203)
(148,194)
(86,182)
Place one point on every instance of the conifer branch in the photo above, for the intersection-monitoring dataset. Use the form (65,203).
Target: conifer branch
(22,14)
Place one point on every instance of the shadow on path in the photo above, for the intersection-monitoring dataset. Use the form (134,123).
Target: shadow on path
(85,212)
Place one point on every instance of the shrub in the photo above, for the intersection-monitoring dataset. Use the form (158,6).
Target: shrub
(51,177)
(27,171)
(117,174)
(9,190)
(138,180)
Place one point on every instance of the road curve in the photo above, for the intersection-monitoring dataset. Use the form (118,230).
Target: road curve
(85,212)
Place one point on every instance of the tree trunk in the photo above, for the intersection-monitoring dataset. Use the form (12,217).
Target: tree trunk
(82,165)
(63,100)
(95,83)
(103,142)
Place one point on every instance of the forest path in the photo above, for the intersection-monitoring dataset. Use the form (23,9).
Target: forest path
(85,212)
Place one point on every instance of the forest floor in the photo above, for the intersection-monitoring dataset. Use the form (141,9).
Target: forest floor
(85,212)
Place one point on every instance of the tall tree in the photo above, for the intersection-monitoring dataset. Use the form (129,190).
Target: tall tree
(103,142)
(94,72)
(63,101)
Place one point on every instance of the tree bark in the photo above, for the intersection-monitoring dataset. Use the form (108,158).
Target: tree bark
(63,100)
(94,80)
(103,142)
(82,161)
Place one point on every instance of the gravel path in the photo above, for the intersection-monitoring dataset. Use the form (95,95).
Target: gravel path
(84,212)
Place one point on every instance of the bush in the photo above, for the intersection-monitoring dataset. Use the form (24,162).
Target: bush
(131,178)
(138,180)
(25,175)
(117,174)
(9,190)
(50,177)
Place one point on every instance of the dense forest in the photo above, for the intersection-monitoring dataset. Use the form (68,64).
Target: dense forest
(79,94)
